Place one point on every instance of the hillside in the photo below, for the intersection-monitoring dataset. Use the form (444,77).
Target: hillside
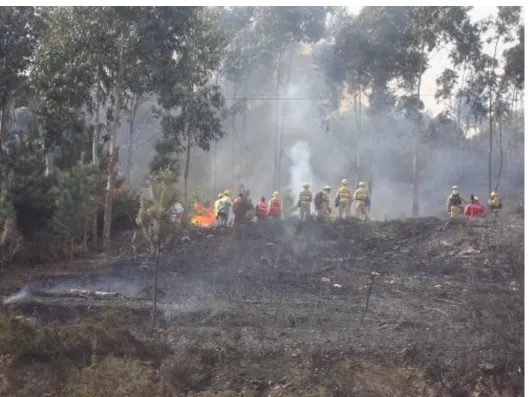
(397,308)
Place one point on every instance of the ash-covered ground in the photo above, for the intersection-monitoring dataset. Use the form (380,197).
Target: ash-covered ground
(440,295)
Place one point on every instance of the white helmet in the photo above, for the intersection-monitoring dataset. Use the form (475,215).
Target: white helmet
(344,181)
(455,187)
(306,185)
(476,198)
(361,184)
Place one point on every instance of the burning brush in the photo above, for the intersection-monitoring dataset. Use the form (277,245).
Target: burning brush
(204,216)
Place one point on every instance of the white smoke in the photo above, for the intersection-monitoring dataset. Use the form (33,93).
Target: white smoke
(300,170)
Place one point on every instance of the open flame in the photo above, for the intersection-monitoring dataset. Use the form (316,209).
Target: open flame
(204,216)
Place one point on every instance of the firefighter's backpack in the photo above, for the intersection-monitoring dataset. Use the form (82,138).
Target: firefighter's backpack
(318,200)
(455,199)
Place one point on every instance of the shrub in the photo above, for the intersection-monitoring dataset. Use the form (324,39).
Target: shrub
(113,377)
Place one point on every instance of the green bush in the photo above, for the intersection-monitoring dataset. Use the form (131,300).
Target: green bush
(31,193)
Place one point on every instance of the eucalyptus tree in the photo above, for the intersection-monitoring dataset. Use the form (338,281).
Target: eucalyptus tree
(268,37)
(191,105)
(109,48)
(20,28)
(486,88)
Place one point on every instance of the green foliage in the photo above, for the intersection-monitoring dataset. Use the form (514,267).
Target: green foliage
(31,193)
(125,207)
(20,27)
(165,157)
(153,215)
(514,57)
(76,201)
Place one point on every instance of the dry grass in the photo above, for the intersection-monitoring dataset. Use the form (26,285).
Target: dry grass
(104,358)
(116,356)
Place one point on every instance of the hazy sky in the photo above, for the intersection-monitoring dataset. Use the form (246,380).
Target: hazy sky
(440,61)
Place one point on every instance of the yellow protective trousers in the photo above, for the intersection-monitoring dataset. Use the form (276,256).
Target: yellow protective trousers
(361,209)
(344,209)
(455,211)
(323,211)
(304,210)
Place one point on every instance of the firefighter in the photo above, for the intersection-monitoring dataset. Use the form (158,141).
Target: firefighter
(361,197)
(225,204)
(305,199)
(495,204)
(344,198)
(322,202)
(261,209)
(474,209)
(216,206)
(275,207)
(240,208)
(455,202)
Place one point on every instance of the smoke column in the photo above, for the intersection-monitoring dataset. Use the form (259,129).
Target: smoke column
(300,170)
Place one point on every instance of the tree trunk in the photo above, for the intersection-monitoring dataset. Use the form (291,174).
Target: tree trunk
(214,171)
(356,107)
(242,141)
(415,204)
(501,153)
(50,161)
(491,133)
(491,115)
(95,138)
(2,123)
(118,88)
(95,161)
(276,137)
(186,178)
(234,131)
(459,102)
(155,284)
(283,117)
(135,102)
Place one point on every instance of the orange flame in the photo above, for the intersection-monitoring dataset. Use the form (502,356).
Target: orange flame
(204,216)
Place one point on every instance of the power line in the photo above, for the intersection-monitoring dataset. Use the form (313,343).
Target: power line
(264,98)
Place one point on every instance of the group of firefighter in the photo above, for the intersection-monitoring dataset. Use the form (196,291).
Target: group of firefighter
(241,206)
(473,208)
(273,208)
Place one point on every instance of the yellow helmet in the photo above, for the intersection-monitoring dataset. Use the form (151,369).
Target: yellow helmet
(227,193)
(493,194)
(327,188)
(344,181)
(361,184)
(275,194)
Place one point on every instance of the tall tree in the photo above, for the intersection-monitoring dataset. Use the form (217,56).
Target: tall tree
(191,103)
(20,27)
(112,44)
(486,87)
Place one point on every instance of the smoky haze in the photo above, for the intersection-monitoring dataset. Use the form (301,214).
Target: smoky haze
(310,154)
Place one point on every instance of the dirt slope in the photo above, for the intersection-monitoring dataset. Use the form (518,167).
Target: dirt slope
(444,300)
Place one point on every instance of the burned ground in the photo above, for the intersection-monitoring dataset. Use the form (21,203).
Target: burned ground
(412,307)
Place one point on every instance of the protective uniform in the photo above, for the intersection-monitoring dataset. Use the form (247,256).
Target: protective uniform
(344,197)
(216,205)
(495,203)
(240,207)
(474,209)
(261,209)
(455,202)
(224,205)
(361,197)
(275,207)
(305,198)
(324,208)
